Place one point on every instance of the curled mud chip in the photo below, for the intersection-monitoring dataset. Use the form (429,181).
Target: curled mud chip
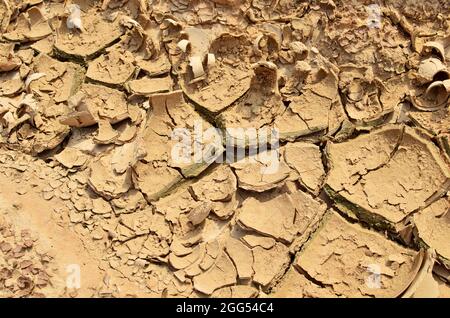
(434,47)
(366,98)
(434,98)
(431,69)
(228,80)
(384,176)
(351,261)
(432,229)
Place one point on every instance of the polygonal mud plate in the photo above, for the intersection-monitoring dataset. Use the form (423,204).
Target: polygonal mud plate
(288,217)
(60,80)
(432,229)
(176,144)
(227,80)
(82,46)
(344,258)
(260,105)
(311,112)
(112,69)
(385,175)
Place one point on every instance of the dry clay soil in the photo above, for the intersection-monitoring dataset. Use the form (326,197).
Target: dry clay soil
(94,203)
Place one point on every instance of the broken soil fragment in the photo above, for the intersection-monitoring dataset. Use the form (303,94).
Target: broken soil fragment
(71,157)
(8,60)
(361,167)
(306,160)
(283,217)
(339,247)
(113,69)
(30,26)
(113,113)
(242,257)
(260,105)
(83,46)
(146,86)
(296,285)
(93,103)
(432,227)
(222,274)
(224,83)
(105,181)
(261,172)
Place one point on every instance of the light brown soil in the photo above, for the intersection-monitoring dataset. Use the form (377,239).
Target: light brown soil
(97,96)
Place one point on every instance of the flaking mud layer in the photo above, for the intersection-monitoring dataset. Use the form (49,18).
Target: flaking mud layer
(135,162)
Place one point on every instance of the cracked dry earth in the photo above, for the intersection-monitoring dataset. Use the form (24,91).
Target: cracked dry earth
(93,203)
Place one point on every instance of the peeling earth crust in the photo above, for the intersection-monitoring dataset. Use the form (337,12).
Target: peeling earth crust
(233,149)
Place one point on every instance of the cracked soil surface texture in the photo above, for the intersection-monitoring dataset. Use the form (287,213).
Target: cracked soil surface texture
(99,100)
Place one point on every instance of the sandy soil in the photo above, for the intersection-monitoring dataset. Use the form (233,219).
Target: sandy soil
(223,148)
